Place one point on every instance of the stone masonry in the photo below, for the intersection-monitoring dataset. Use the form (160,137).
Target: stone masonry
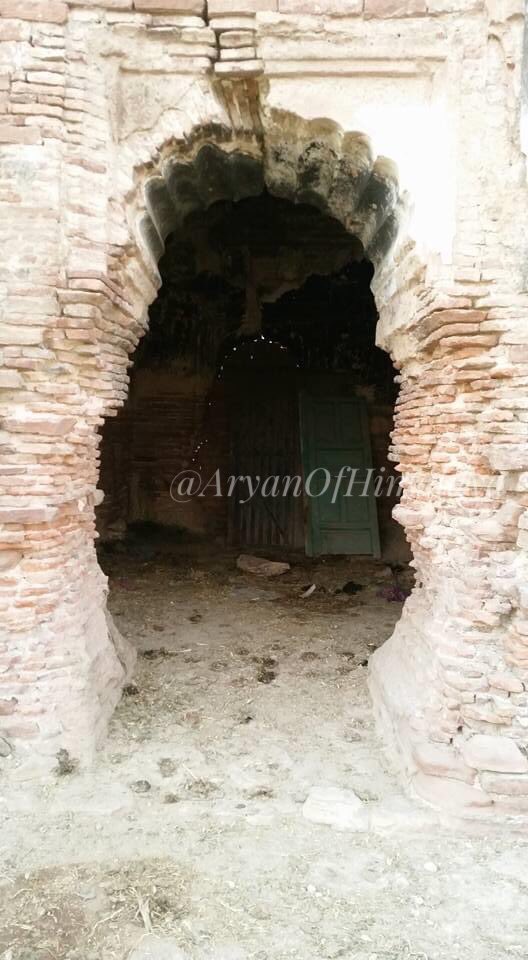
(401,118)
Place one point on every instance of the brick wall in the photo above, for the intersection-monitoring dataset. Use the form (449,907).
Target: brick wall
(363,110)
(163,428)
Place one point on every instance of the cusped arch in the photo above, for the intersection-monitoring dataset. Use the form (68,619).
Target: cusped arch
(303,161)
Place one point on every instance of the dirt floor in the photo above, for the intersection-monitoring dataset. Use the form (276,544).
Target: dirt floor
(189,839)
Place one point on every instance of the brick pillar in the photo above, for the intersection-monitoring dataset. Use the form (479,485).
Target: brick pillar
(450,685)
(61,662)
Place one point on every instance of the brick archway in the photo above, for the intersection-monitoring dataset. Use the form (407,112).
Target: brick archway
(454,669)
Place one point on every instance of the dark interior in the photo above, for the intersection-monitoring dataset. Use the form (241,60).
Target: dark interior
(262,302)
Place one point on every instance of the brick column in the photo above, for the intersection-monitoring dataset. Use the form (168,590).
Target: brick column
(449,686)
(61,674)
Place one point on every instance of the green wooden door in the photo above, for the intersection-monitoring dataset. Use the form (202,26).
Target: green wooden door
(341,518)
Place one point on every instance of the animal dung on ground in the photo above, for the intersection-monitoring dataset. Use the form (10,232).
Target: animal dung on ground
(167,767)
(140,786)
(265,672)
(351,587)
(65,763)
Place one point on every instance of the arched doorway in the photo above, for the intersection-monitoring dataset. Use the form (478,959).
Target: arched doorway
(264,326)
(425,696)
(252,578)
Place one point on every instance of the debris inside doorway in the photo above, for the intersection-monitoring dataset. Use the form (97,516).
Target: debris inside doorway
(394,593)
(341,809)
(261,567)
(308,591)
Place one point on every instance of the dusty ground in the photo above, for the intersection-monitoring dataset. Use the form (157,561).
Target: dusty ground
(189,834)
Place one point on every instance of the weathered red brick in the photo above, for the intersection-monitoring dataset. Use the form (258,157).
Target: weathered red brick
(440,760)
(35,423)
(196,7)
(9,133)
(506,785)
(248,68)
(46,11)
(497,754)
(10,379)
(108,4)
(27,514)
(8,707)
(216,7)
(394,8)
(13,30)
(329,8)
(453,794)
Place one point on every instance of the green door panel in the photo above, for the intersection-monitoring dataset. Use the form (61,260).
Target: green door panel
(341,515)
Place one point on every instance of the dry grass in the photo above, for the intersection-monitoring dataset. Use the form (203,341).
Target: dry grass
(75,914)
